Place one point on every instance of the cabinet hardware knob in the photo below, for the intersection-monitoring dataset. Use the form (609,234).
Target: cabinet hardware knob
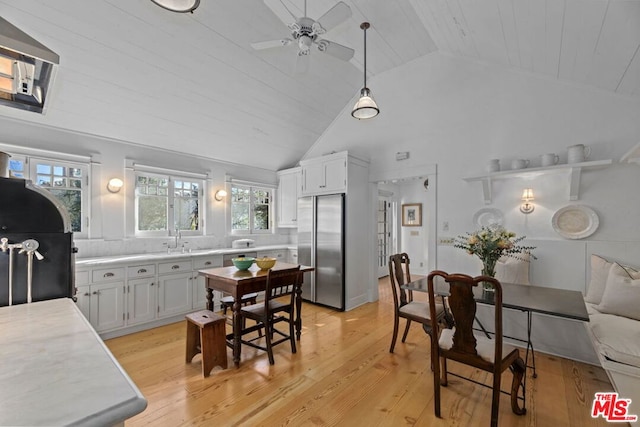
(175,267)
(207,263)
(151,284)
(108,274)
(142,270)
(87,294)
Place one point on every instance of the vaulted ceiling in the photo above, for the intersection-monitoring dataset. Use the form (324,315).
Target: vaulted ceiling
(132,71)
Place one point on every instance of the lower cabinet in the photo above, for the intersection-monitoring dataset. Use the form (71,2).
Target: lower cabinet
(103,305)
(142,297)
(174,294)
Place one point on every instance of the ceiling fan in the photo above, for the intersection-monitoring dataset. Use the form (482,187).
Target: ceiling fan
(305,32)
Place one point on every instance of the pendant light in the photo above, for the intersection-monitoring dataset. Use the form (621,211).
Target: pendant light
(366,107)
(180,6)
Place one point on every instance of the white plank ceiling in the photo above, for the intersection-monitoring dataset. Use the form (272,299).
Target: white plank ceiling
(132,71)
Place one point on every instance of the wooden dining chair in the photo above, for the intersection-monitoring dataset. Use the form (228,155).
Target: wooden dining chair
(462,345)
(403,304)
(278,306)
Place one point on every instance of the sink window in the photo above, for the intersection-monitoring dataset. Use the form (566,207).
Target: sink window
(166,204)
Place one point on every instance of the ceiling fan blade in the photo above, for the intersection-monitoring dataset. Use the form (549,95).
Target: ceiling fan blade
(281,11)
(335,49)
(333,17)
(302,63)
(271,44)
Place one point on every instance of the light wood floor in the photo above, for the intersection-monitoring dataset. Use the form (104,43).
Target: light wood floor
(342,374)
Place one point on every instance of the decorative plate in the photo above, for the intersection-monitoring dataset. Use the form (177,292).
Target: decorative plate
(488,216)
(575,221)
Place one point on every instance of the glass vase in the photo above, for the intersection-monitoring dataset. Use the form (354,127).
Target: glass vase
(488,269)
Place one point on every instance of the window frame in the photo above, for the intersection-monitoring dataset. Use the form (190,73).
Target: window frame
(252,187)
(171,178)
(30,172)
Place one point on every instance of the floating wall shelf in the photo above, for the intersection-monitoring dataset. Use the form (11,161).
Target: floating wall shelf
(574,169)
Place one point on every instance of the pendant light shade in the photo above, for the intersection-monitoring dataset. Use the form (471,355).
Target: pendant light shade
(178,5)
(366,107)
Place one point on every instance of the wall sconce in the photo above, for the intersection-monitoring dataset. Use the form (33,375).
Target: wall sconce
(114,185)
(220,194)
(527,197)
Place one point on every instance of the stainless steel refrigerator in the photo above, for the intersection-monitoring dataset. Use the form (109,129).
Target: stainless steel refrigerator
(321,245)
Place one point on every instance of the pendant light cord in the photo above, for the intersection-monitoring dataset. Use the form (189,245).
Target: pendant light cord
(364,26)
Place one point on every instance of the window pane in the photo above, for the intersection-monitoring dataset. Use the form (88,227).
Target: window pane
(240,216)
(239,194)
(44,180)
(261,217)
(43,169)
(152,213)
(72,200)
(186,214)
(58,171)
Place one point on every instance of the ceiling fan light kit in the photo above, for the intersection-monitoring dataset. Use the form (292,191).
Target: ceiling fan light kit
(305,33)
(366,107)
(180,6)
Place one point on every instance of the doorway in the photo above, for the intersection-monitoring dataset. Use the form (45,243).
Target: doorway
(386,232)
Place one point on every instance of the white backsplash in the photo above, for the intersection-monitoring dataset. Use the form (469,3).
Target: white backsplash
(91,248)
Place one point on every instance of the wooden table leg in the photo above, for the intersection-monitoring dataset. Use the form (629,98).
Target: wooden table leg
(237,329)
(209,297)
(298,312)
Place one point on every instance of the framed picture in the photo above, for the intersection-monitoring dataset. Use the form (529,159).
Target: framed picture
(412,215)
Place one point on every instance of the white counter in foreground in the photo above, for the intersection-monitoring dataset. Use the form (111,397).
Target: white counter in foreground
(56,371)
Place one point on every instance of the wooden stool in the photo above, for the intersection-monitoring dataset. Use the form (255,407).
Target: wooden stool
(206,334)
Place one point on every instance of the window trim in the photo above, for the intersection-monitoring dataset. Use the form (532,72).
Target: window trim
(251,186)
(171,176)
(30,157)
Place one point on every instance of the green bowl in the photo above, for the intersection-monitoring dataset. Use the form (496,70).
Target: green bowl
(243,263)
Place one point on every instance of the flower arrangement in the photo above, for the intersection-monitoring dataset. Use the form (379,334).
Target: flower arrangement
(489,244)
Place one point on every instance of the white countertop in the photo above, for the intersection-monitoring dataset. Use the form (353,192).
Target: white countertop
(56,371)
(160,256)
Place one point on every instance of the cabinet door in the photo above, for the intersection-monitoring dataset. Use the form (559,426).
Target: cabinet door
(335,175)
(288,186)
(107,306)
(83,300)
(141,300)
(174,294)
(200,294)
(292,256)
(313,178)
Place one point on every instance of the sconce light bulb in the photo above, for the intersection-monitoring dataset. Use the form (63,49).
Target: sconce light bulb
(220,194)
(114,185)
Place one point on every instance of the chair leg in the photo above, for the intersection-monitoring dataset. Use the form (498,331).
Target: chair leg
(268,337)
(395,334)
(436,383)
(495,399)
(519,371)
(292,335)
(444,381)
(406,330)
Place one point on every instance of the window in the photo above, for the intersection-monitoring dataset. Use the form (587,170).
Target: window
(250,209)
(67,181)
(167,204)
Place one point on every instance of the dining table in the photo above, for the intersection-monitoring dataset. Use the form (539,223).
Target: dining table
(526,298)
(237,283)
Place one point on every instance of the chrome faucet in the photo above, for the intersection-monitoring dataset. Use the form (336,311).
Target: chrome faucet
(175,241)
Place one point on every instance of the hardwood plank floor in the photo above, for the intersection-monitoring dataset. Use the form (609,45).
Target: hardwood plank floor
(342,374)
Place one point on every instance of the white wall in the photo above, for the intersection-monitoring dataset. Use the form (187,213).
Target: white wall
(466,113)
(107,216)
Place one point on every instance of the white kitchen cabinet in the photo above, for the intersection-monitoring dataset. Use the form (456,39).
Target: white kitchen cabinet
(324,175)
(280,255)
(288,192)
(292,256)
(199,287)
(175,293)
(142,296)
(107,305)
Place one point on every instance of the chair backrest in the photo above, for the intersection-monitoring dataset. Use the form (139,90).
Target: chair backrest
(461,302)
(282,283)
(399,275)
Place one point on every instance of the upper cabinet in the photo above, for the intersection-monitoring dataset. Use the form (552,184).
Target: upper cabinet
(574,170)
(288,192)
(324,175)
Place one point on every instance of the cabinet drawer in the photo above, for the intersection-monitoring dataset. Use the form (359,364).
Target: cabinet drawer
(82,277)
(174,267)
(107,274)
(136,271)
(207,262)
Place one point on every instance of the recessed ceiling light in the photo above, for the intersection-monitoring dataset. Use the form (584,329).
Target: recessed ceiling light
(178,5)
